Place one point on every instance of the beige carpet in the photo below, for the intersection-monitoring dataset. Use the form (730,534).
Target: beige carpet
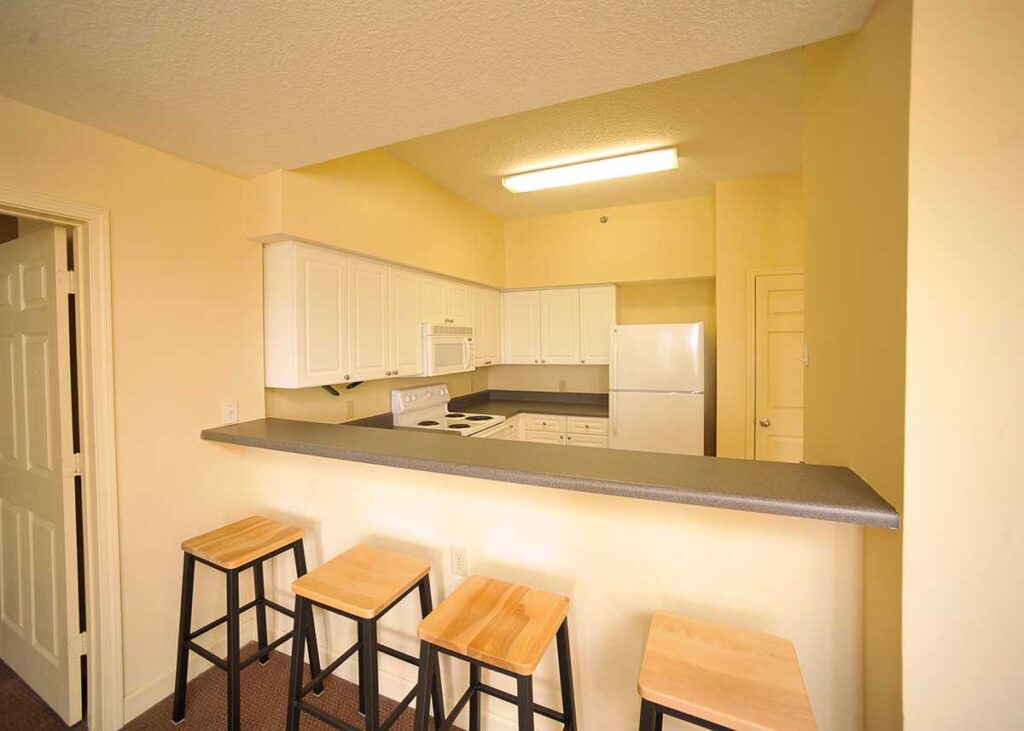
(264,693)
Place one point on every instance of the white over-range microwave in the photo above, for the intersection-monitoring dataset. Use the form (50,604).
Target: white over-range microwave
(447,349)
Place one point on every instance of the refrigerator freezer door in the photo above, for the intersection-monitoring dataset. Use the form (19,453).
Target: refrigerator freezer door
(657,422)
(657,357)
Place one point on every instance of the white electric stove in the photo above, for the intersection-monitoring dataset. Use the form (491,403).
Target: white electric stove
(426,407)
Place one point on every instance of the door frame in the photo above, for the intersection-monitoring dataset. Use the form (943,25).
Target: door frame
(99,457)
(749,397)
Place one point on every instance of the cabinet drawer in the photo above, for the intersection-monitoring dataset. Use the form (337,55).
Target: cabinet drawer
(545,422)
(545,437)
(586,440)
(588,425)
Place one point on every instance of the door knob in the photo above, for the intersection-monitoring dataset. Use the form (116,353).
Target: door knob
(765,422)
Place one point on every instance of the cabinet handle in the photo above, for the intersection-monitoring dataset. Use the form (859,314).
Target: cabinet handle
(536,361)
(346,378)
(582,361)
(569,438)
(543,361)
(586,426)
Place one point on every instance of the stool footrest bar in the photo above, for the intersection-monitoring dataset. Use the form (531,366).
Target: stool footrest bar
(278,608)
(511,698)
(402,705)
(217,622)
(206,654)
(326,717)
(265,651)
(323,674)
(399,654)
(449,721)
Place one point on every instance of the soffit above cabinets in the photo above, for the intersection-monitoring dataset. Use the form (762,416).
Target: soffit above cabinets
(249,86)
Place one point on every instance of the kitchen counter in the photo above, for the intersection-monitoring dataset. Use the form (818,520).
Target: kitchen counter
(806,491)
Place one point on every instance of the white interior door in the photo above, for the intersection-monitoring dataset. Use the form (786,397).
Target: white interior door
(560,326)
(779,367)
(39,637)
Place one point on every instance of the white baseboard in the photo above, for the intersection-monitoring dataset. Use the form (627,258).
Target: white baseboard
(142,699)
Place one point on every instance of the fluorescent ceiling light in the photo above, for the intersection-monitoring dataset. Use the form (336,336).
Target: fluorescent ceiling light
(620,166)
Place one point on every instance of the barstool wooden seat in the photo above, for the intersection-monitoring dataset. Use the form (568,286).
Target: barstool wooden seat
(232,549)
(363,584)
(721,677)
(504,627)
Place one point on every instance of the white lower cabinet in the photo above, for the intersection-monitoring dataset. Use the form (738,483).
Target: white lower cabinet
(570,430)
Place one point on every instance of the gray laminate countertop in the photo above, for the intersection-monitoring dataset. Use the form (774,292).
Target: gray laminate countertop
(805,491)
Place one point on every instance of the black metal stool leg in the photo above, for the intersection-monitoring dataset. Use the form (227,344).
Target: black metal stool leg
(648,716)
(474,700)
(524,686)
(261,610)
(361,666)
(428,666)
(426,607)
(311,645)
(234,669)
(298,664)
(369,689)
(188,575)
(565,675)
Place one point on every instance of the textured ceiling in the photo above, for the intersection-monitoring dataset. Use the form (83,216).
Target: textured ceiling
(251,85)
(730,122)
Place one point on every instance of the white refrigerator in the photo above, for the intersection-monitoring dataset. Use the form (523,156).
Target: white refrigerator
(656,388)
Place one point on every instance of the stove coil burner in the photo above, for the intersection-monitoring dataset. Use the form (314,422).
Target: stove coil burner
(455,416)
(458,426)
(479,417)
(426,423)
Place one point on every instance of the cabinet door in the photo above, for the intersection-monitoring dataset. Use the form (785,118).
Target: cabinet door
(597,315)
(481,325)
(586,440)
(560,326)
(459,303)
(368,319)
(434,300)
(493,345)
(544,437)
(404,307)
(321,307)
(520,314)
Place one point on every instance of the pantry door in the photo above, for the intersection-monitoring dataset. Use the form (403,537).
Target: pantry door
(39,630)
(779,367)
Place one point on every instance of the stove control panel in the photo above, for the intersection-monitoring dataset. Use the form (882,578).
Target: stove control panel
(418,398)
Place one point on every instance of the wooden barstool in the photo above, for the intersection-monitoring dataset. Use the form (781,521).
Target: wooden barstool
(363,584)
(504,627)
(233,549)
(721,678)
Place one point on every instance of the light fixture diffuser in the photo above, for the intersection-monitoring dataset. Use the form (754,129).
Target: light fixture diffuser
(620,166)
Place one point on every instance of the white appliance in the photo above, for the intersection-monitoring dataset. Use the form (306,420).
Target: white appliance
(656,388)
(447,349)
(426,407)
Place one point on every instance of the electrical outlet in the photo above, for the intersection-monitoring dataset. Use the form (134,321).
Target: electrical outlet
(460,561)
(229,412)
(563,385)
(350,409)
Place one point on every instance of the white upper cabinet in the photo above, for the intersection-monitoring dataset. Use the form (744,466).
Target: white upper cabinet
(520,314)
(404,311)
(560,326)
(305,315)
(597,315)
(492,345)
(368,349)
(435,299)
(460,304)
(486,311)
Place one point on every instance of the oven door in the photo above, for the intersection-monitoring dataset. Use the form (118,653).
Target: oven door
(448,354)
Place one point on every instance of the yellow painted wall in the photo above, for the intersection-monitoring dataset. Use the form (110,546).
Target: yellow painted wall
(373,204)
(688,300)
(667,240)
(963,585)
(187,334)
(577,378)
(759,224)
(856,97)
